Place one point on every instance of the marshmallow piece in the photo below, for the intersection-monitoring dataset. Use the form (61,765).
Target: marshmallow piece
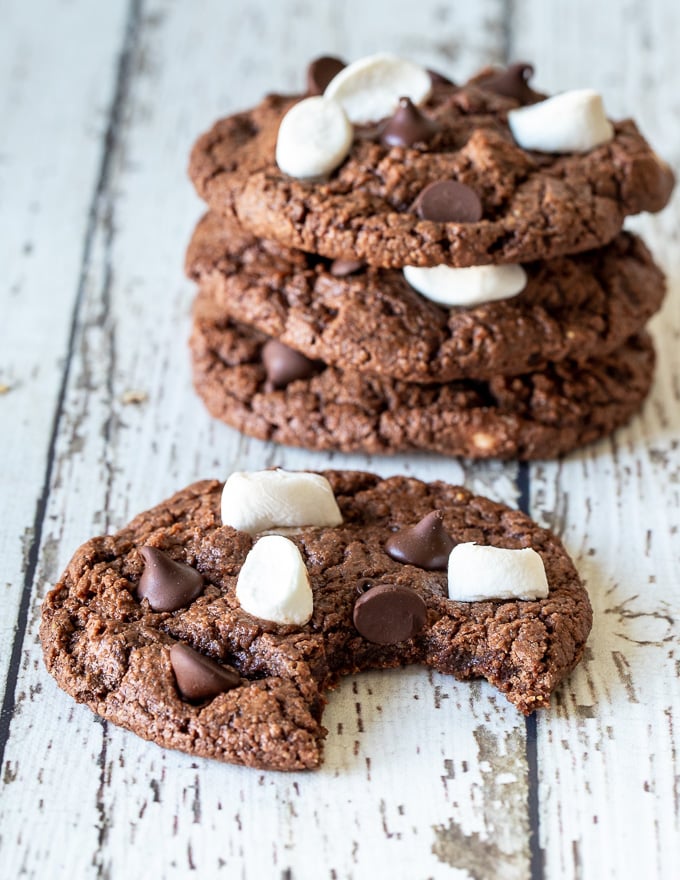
(479,572)
(314,138)
(273,582)
(262,500)
(369,89)
(573,122)
(469,286)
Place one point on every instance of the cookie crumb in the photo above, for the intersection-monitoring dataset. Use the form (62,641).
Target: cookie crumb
(4,389)
(134,396)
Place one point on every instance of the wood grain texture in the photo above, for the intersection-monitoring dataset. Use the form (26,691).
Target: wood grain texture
(424,777)
(49,154)
(55,88)
(608,793)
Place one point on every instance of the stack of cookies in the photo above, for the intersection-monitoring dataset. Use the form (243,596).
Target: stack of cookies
(395,262)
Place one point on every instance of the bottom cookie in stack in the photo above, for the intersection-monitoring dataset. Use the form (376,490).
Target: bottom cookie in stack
(269,391)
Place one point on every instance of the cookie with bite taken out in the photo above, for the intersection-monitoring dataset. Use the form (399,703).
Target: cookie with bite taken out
(180,629)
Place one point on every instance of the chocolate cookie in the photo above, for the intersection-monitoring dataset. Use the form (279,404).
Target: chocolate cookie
(541,414)
(513,204)
(361,318)
(213,680)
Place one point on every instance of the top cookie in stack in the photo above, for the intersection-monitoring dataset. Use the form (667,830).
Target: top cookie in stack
(401,262)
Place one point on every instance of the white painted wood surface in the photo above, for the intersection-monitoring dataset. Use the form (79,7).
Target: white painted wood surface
(424,777)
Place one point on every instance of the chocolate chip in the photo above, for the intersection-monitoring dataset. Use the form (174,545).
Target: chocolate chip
(284,364)
(389,613)
(513,82)
(407,126)
(368,132)
(342,268)
(321,71)
(447,201)
(438,79)
(426,544)
(167,585)
(364,585)
(199,677)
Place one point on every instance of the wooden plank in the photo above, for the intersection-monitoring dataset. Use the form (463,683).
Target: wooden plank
(274,824)
(56,85)
(53,116)
(608,753)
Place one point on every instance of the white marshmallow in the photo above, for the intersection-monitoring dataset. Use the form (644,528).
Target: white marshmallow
(469,286)
(261,500)
(273,582)
(314,138)
(369,89)
(478,572)
(573,122)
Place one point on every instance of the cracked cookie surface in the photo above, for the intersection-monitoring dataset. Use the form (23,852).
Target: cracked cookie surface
(535,205)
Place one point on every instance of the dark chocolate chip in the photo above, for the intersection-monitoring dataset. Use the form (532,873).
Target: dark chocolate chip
(438,79)
(513,82)
(364,585)
(284,364)
(426,544)
(321,71)
(167,585)
(342,268)
(447,201)
(389,613)
(198,677)
(407,126)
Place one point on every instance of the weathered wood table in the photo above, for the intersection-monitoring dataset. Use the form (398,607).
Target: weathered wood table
(424,777)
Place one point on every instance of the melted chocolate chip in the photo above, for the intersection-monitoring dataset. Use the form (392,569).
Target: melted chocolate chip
(167,585)
(284,364)
(407,126)
(447,201)
(321,71)
(389,613)
(198,677)
(513,82)
(426,544)
(342,268)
